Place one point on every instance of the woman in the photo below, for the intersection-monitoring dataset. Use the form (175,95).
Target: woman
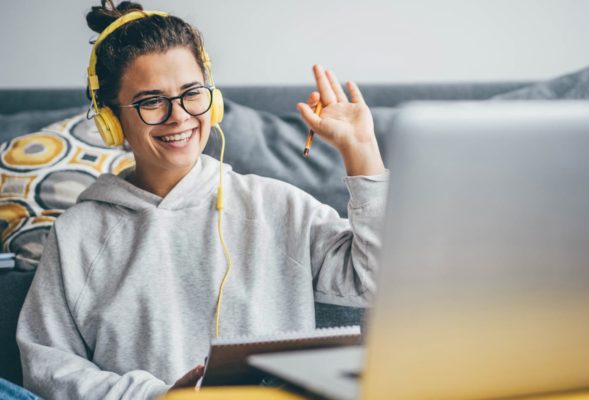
(124,302)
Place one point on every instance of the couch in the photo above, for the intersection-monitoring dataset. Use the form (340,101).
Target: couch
(265,136)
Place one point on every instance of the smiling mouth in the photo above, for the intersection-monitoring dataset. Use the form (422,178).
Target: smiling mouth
(177,137)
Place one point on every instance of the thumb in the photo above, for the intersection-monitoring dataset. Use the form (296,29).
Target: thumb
(309,116)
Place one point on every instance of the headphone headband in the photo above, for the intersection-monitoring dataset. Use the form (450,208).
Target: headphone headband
(116,24)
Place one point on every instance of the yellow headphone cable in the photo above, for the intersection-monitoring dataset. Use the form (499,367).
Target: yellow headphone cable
(220,230)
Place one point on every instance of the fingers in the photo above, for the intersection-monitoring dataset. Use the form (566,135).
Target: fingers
(325,90)
(330,89)
(355,93)
(191,377)
(199,371)
(336,87)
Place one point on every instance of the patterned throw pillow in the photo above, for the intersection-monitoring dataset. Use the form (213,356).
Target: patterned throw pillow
(42,174)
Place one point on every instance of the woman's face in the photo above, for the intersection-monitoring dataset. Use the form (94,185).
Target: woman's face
(174,146)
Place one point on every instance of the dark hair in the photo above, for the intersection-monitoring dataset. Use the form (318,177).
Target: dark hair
(153,34)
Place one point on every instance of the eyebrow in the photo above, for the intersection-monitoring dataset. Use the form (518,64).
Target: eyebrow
(159,92)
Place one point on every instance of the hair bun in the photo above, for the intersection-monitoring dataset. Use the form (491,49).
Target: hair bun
(102,16)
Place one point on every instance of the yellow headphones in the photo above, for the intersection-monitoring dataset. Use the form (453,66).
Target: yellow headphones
(106,121)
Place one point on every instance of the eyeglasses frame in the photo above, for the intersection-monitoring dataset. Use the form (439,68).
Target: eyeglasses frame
(136,105)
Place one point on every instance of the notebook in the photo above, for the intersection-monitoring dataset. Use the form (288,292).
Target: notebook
(226,363)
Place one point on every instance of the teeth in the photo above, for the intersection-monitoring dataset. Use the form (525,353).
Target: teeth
(177,137)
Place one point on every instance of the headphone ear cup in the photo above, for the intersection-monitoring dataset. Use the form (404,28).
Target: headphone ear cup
(109,127)
(217,108)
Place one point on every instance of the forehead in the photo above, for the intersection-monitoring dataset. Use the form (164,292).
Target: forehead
(166,71)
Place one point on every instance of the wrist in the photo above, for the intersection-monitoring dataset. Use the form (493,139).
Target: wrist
(362,158)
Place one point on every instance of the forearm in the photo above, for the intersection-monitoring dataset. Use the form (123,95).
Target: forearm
(344,252)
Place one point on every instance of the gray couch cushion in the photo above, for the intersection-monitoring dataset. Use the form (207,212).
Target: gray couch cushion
(574,86)
(13,287)
(281,100)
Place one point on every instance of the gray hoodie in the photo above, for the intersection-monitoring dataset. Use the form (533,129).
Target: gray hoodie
(123,301)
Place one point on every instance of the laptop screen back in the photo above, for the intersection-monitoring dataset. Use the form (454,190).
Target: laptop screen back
(484,274)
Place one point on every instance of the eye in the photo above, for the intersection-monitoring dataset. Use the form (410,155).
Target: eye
(193,94)
(152,103)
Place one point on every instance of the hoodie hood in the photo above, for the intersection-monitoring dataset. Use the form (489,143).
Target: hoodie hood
(194,189)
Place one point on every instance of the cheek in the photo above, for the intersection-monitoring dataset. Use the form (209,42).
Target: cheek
(127,122)
(133,129)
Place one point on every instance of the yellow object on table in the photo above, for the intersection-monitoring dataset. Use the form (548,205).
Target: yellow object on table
(565,396)
(232,392)
(267,393)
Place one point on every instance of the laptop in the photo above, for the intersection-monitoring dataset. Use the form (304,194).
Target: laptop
(483,287)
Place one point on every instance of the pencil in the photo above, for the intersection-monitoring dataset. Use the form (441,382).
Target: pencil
(310,136)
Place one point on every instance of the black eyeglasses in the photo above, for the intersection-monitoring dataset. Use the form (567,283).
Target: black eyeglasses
(156,110)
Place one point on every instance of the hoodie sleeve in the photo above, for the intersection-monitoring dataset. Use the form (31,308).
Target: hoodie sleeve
(344,252)
(54,356)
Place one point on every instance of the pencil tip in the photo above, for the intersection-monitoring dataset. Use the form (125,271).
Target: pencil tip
(306,152)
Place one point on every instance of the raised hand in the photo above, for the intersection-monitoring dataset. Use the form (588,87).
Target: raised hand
(345,124)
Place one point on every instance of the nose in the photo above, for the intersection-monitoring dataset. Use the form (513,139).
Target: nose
(178,114)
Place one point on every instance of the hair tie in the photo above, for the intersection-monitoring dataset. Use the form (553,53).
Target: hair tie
(114,8)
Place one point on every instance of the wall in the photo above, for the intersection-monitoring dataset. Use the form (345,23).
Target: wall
(45,43)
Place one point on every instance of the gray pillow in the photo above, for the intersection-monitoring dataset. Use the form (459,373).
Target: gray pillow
(13,125)
(262,143)
(574,86)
